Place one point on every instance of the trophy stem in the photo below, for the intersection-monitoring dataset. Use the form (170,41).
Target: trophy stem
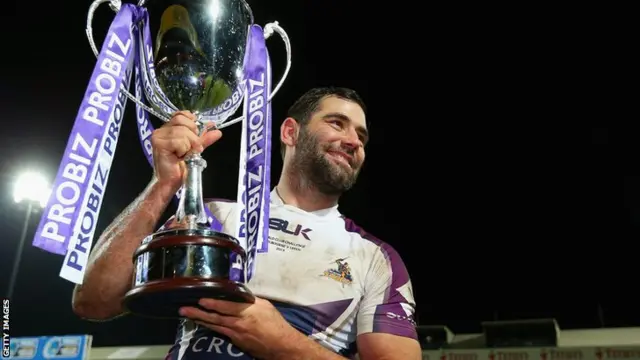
(191,213)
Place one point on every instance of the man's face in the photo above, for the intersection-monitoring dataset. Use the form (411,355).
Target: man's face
(330,148)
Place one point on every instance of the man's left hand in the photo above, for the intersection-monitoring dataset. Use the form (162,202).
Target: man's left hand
(258,329)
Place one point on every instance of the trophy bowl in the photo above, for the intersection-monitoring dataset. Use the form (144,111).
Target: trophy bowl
(196,59)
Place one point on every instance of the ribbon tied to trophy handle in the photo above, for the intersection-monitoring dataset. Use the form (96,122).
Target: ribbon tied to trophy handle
(269,29)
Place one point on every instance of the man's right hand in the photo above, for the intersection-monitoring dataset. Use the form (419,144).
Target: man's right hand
(173,141)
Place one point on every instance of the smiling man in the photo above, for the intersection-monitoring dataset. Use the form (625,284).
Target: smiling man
(326,289)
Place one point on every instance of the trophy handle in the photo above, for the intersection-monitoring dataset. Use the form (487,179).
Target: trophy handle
(115,6)
(269,29)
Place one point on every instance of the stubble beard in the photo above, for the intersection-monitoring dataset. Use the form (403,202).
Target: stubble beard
(316,170)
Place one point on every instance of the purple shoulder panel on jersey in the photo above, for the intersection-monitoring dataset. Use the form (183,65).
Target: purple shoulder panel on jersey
(390,316)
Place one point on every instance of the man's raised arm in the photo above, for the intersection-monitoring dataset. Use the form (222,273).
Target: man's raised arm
(110,267)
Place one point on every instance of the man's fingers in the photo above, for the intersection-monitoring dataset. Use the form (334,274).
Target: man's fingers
(209,317)
(210,137)
(194,140)
(185,113)
(184,118)
(223,307)
(179,146)
(178,140)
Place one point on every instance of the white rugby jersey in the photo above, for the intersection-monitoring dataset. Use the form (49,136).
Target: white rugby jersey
(328,278)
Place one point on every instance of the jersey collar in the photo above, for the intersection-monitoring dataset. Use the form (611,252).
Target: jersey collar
(331,212)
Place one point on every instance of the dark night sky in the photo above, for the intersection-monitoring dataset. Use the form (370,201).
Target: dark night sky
(495,198)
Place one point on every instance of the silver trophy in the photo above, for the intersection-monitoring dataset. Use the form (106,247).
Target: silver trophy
(196,61)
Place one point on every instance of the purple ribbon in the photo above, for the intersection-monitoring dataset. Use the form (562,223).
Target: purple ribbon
(69,219)
(254,179)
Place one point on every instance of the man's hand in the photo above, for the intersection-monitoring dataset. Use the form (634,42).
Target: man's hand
(258,329)
(172,142)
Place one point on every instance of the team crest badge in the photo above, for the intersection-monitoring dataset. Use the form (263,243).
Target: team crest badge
(340,273)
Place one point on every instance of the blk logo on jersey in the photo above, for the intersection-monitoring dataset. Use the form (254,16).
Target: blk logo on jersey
(287,228)
(341,273)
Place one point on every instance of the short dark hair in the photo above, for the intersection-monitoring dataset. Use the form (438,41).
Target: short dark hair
(303,109)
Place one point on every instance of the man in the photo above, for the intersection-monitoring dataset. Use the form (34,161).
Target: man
(333,289)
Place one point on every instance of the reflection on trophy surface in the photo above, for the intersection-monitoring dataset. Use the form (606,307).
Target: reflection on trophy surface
(199,52)
(193,77)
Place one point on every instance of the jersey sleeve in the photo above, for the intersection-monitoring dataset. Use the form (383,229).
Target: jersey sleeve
(388,305)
